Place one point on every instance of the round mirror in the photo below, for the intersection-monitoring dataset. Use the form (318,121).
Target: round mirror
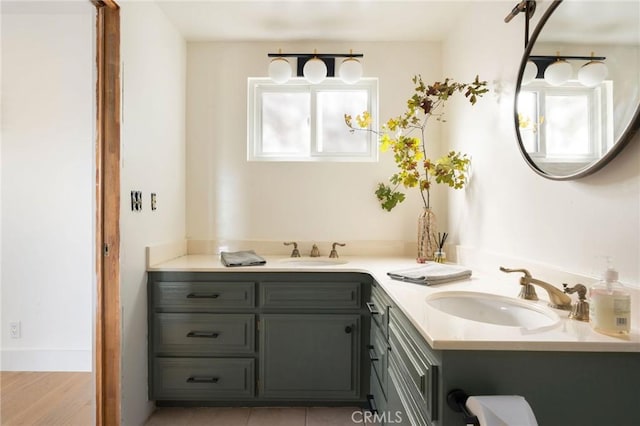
(578,90)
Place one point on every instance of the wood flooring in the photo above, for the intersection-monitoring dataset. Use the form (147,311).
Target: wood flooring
(67,399)
(46,398)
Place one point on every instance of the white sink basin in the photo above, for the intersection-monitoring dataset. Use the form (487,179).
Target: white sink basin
(493,309)
(312,261)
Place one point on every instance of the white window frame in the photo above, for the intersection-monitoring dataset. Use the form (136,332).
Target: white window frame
(600,100)
(257,86)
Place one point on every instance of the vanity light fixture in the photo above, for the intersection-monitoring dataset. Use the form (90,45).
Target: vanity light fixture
(592,73)
(315,70)
(315,67)
(530,72)
(350,70)
(557,70)
(279,69)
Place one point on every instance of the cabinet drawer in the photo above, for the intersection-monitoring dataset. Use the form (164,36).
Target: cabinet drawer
(199,296)
(201,334)
(419,371)
(318,295)
(402,400)
(379,309)
(379,357)
(202,379)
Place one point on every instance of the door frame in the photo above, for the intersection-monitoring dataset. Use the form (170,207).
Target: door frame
(108,319)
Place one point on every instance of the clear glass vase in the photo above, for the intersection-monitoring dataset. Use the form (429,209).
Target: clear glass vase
(427,236)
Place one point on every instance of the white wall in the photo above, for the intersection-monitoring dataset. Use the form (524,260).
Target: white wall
(47,176)
(509,210)
(231,199)
(153,160)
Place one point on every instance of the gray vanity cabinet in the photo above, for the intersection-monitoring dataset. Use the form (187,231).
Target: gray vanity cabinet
(250,338)
(411,389)
(404,371)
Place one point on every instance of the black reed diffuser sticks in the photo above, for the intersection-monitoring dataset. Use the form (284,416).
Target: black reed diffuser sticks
(440,255)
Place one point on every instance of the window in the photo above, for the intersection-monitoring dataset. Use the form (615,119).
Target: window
(298,121)
(566,124)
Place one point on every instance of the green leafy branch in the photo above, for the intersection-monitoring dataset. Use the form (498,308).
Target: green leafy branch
(409,152)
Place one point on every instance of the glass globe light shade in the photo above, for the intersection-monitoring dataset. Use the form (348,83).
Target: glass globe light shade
(558,73)
(279,70)
(530,73)
(592,73)
(350,70)
(315,70)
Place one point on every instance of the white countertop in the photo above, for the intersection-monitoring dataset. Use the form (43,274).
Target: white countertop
(443,331)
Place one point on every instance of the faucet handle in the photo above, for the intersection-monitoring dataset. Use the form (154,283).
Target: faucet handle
(315,252)
(295,252)
(578,288)
(334,253)
(580,310)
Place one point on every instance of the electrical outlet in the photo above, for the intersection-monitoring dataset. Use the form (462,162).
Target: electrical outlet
(14,329)
(154,201)
(136,201)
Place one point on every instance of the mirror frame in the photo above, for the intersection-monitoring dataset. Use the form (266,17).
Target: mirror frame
(625,137)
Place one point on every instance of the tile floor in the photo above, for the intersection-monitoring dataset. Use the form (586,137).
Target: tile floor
(258,416)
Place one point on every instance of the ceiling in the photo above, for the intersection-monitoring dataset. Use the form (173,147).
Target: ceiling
(315,20)
(598,22)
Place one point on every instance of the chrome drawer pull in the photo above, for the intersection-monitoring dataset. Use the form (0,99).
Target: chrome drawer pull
(373,356)
(209,334)
(203,296)
(199,379)
(372,308)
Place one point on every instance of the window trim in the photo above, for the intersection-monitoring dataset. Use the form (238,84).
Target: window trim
(600,132)
(258,85)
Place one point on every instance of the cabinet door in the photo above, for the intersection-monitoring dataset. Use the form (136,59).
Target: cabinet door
(312,356)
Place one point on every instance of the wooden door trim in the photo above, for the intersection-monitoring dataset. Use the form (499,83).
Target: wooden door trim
(108,320)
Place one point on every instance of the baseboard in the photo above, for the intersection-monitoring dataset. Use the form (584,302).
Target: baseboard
(45,360)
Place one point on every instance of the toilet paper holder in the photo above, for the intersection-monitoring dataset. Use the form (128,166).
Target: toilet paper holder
(456,400)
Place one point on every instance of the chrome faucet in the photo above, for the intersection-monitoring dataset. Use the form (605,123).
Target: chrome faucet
(315,252)
(557,298)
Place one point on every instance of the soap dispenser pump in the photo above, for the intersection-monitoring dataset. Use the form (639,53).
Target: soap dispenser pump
(610,305)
